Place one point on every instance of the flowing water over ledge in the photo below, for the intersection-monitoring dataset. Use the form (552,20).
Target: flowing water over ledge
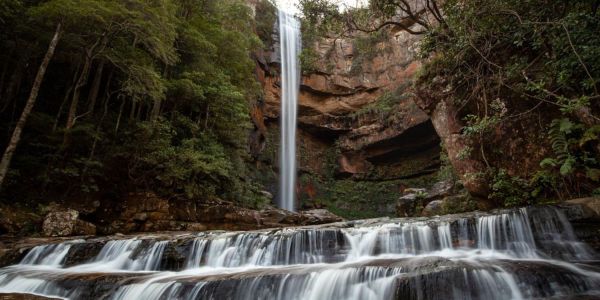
(520,254)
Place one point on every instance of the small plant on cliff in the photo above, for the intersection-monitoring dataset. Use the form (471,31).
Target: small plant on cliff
(421,195)
(465,153)
(385,106)
(509,190)
(575,150)
(366,48)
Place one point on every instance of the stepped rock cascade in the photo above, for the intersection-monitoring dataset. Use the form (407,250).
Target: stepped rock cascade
(529,253)
(290,46)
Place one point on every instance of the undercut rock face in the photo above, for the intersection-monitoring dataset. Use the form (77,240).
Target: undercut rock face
(357,117)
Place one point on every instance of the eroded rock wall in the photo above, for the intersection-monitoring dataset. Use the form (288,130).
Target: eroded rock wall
(358,121)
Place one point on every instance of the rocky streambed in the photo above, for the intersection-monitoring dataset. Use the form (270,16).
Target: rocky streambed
(528,253)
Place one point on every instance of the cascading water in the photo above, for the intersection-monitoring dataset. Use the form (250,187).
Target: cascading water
(290,45)
(520,254)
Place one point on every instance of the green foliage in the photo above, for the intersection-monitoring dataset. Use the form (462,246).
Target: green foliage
(308,60)
(509,190)
(366,48)
(319,18)
(172,109)
(349,195)
(476,125)
(465,153)
(574,159)
(353,199)
(420,195)
(525,62)
(575,151)
(385,105)
(158,156)
(544,183)
(266,20)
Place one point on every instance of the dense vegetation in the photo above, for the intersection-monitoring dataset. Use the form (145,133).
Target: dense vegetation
(532,63)
(138,95)
(513,70)
(161,91)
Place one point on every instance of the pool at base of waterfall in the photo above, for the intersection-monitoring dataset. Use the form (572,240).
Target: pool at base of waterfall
(527,253)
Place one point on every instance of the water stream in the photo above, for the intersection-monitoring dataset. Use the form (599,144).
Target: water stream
(290,45)
(529,253)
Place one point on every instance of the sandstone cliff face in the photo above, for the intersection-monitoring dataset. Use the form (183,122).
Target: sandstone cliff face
(357,116)
(515,146)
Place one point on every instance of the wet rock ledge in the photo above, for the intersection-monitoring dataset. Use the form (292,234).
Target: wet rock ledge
(147,212)
(585,221)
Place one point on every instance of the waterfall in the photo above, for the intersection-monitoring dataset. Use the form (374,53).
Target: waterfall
(48,255)
(529,253)
(290,45)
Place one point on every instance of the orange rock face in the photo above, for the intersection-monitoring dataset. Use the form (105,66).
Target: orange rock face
(341,109)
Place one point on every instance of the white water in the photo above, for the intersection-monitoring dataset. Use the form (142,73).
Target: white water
(501,256)
(510,232)
(125,255)
(47,255)
(290,45)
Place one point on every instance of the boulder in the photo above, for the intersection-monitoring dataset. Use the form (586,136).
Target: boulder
(84,228)
(319,216)
(406,205)
(440,190)
(66,223)
(584,215)
(433,208)
(413,198)
(589,207)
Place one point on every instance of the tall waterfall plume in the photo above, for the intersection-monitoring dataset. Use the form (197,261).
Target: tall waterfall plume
(290,46)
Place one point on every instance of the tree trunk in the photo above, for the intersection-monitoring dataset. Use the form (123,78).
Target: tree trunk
(13,86)
(155,110)
(95,89)
(138,114)
(77,91)
(132,112)
(120,114)
(81,82)
(16,136)
(99,127)
(66,98)
(156,107)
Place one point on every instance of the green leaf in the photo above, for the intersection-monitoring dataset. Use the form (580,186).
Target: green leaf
(591,134)
(548,162)
(593,174)
(568,166)
(566,126)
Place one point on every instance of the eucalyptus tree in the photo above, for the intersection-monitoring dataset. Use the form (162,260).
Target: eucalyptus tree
(150,95)
(128,35)
(16,135)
